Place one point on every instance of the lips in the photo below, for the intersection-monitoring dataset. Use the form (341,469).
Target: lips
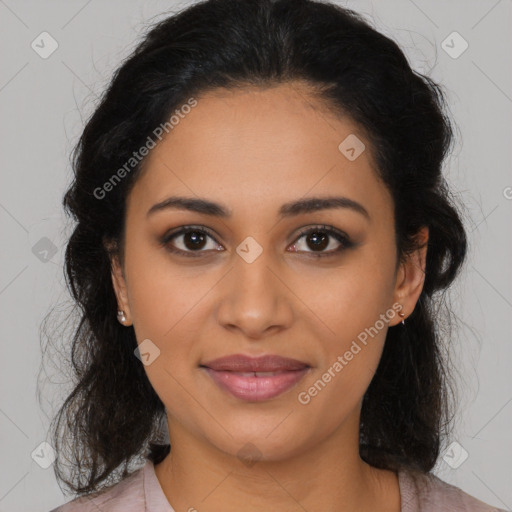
(267,363)
(255,378)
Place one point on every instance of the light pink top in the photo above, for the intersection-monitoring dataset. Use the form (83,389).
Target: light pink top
(141,492)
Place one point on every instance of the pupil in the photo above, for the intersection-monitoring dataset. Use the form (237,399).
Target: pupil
(196,238)
(323,239)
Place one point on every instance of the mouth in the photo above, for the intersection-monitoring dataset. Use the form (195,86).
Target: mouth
(255,378)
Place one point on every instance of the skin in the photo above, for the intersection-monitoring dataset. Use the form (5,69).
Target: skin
(253,150)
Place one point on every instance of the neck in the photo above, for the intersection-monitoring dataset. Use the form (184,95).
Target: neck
(330,477)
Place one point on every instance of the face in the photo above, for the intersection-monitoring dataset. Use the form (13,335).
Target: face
(317,285)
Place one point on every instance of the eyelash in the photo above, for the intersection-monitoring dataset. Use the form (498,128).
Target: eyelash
(341,237)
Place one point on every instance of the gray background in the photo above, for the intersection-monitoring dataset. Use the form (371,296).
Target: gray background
(43,103)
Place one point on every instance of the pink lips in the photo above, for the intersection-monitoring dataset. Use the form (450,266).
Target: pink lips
(256,378)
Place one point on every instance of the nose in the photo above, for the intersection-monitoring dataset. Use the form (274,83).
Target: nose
(255,300)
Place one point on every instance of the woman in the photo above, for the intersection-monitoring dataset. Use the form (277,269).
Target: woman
(263,232)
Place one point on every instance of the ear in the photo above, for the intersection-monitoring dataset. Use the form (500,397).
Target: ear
(411,276)
(119,282)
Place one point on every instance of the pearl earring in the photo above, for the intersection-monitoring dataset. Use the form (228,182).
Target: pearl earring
(121,317)
(402,315)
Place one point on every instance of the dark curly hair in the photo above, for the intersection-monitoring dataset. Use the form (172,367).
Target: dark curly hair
(112,415)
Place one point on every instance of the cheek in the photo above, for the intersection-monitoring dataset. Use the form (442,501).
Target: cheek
(168,307)
(161,295)
(337,387)
(354,310)
(349,298)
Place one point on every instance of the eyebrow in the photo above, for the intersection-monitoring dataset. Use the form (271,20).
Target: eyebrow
(290,209)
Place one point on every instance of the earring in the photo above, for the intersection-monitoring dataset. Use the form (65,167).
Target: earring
(121,317)
(402,315)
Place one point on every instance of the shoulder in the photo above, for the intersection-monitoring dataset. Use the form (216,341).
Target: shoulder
(126,495)
(426,492)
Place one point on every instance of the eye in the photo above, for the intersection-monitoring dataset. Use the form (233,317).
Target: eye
(320,237)
(193,239)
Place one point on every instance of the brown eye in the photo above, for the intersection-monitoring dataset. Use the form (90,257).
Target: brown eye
(194,240)
(318,238)
(189,240)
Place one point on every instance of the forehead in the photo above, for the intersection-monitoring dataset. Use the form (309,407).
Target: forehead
(255,147)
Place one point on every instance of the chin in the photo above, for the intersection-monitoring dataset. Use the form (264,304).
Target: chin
(261,441)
